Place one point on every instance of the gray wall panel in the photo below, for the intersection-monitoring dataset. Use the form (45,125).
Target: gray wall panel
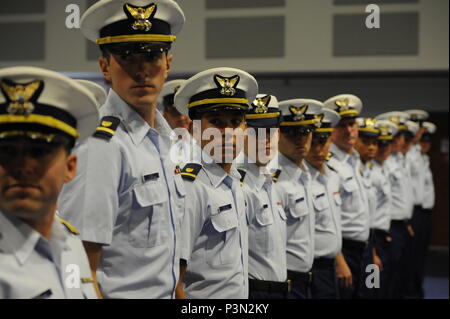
(232,4)
(377,2)
(22,41)
(246,37)
(22,7)
(398,35)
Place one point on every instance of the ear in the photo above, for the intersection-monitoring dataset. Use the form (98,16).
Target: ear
(71,168)
(104,66)
(169,60)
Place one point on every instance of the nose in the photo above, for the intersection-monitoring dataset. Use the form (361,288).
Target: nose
(143,69)
(22,167)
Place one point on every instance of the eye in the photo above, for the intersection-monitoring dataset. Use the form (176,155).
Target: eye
(153,56)
(8,151)
(39,151)
(215,121)
(236,122)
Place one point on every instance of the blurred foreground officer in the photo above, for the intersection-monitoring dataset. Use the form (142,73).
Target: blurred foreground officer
(421,221)
(42,114)
(401,202)
(327,202)
(367,147)
(300,119)
(127,198)
(214,229)
(96,90)
(381,216)
(355,211)
(267,219)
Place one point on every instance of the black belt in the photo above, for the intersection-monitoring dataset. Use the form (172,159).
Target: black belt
(401,222)
(324,262)
(269,286)
(300,276)
(379,232)
(354,244)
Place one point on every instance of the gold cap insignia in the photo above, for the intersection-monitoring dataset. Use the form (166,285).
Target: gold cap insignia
(298,112)
(227,85)
(370,123)
(19,96)
(262,104)
(141,15)
(343,104)
(384,130)
(395,119)
(318,120)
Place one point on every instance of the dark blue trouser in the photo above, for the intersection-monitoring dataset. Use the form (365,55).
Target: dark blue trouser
(378,240)
(421,223)
(398,259)
(324,282)
(353,254)
(300,285)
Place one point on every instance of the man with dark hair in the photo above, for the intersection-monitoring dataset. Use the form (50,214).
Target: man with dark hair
(355,210)
(325,184)
(129,194)
(42,115)
(214,240)
(300,119)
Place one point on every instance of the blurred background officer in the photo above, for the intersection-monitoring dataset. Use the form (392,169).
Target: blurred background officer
(416,167)
(126,194)
(327,209)
(381,218)
(355,211)
(367,147)
(421,221)
(401,202)
(182,152)
(97,91)
(42,114)
(168,109)
(266,217)
(300,119)
(214,233)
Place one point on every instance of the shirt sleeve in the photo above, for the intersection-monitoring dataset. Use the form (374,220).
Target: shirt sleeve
(90,202)
(193,219)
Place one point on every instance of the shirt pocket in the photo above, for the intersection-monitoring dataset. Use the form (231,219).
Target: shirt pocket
(350,196)
(264,222)
(350,184)
(337,198)
(222,246)
(322,211)
(148,222)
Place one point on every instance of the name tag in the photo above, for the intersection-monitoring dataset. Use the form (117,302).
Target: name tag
(150,177)
(45,294)
(300,200)
(224,208)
